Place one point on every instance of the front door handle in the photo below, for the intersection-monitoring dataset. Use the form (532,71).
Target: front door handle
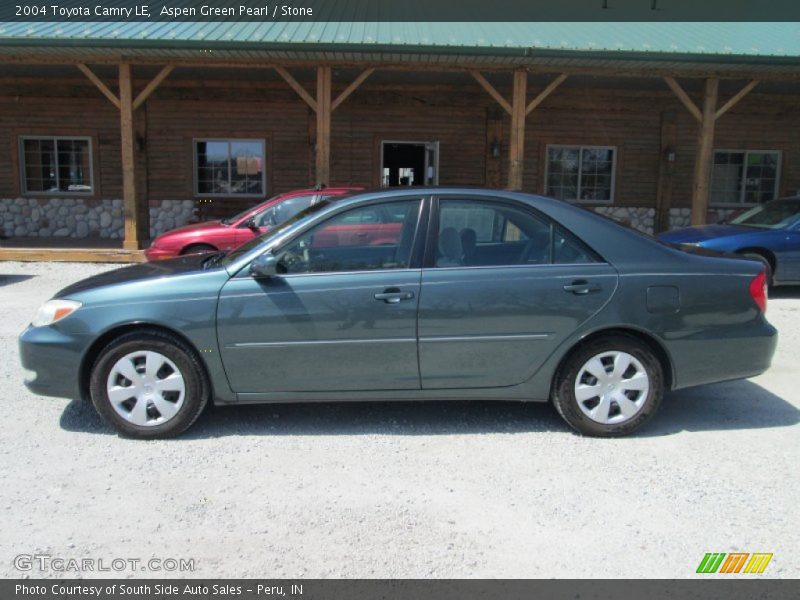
(394,295)
(580,287)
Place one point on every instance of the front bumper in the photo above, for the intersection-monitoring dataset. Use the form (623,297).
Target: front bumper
(51,361)
(153,253)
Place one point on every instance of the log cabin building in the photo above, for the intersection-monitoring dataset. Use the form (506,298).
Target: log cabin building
(112,133)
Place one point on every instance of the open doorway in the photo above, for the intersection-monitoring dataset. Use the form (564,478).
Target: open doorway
(409,163)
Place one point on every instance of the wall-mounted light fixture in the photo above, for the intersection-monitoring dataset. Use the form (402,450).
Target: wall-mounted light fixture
(495,150)
(669,154)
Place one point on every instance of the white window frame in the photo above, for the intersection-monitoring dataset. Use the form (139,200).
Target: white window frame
(55,138)
(229,141)
(581,148)
(744,176)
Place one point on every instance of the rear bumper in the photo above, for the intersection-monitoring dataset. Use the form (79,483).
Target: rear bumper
(159,253)
(51,361)
(709,357)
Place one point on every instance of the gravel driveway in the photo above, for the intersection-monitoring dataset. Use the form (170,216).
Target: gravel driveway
(402,490)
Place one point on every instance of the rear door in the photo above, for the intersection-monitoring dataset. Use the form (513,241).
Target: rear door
(502,287)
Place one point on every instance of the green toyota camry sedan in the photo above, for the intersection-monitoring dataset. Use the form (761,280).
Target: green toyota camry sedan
(419,293)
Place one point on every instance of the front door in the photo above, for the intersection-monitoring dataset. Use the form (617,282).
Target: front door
(501,290)
(341,318)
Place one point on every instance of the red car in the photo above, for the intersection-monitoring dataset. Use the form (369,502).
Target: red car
(227,234)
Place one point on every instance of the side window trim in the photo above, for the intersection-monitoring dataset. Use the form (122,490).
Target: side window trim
(432,237)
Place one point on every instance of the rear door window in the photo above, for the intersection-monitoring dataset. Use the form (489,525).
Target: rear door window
(485,233)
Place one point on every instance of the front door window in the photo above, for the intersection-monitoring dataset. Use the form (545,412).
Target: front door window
(368,238)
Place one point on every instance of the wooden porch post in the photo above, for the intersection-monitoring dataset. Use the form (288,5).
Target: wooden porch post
(323,162)
(707,118)
(133,238)
(516,151)
(666,170)
(705,153)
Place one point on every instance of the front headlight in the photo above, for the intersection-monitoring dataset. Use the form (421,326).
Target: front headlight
(54,310)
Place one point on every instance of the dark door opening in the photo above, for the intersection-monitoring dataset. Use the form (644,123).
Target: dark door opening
(409,163)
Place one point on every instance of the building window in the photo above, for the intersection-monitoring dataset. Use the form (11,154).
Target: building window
(744,176)
(229,168)
(56,165)
(580,173)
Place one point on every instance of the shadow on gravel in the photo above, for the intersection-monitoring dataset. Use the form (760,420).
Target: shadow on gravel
(10,279)
(734,405)
(722,406)
(788,291)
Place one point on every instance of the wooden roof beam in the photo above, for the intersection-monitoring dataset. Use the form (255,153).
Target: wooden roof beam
(351,88)
(492,91)
(732,102)
(684,98)
(151,87)
(100,85)
(545,93)
(295,85)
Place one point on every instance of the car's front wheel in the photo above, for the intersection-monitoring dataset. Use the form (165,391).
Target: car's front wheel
(148,384)
(609,387)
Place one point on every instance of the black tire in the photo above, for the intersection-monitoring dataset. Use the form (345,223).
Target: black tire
(197,249)
(764,261)
(197,388)
(564,385)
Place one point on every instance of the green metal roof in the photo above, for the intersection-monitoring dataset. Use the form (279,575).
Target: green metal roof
(689,38)
(736,50)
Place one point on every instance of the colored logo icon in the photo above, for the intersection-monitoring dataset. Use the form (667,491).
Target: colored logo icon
(735,562)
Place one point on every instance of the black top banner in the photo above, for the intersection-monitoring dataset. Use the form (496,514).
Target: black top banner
(397,10)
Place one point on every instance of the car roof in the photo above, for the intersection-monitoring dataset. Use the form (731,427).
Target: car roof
(324,190)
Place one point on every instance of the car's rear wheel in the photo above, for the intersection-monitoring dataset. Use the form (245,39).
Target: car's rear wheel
(198,249)
(148,385)
(610,386)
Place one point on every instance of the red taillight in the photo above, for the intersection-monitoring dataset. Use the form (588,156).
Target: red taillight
(758,290)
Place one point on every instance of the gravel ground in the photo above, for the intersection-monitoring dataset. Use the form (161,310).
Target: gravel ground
(402,490)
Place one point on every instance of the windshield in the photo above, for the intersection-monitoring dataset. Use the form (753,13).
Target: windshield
(274,232)
(772,215)
(239,216)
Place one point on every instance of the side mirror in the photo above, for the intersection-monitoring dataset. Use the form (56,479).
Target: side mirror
(264,266)
(251,223)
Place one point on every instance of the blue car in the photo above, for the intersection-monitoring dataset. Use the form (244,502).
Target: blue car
(769,232)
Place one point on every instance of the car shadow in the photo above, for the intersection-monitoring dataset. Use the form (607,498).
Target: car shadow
(726,406)
(11,279)
(785,291)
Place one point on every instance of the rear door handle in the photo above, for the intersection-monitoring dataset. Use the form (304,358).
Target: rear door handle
(580,287)
(394,295)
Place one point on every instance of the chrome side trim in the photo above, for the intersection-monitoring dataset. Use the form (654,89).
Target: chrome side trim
(319,342)
(487,338)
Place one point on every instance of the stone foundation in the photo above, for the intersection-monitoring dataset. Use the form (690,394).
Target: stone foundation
(639,218)
(62,217)
(169,214)
(680,217)
(81,218)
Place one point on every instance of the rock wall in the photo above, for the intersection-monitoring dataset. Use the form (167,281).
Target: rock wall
(640,218)
(81,218)
(169,214)
(62,217)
